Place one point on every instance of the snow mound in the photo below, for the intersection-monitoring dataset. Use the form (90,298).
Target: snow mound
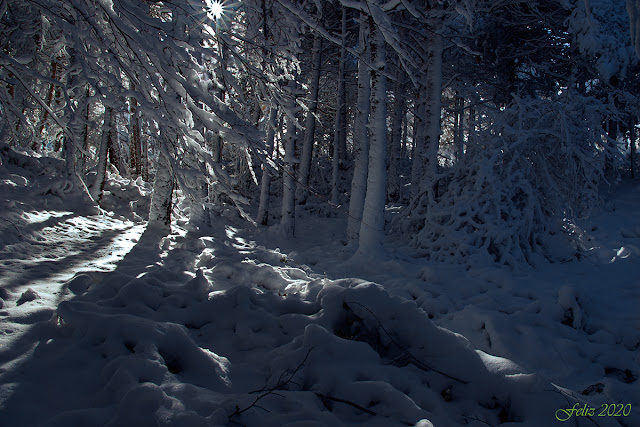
(40,181)
(126,197)
(167,353)
(210,328)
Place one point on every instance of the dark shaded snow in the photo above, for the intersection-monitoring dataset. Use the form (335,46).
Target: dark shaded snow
(230,325)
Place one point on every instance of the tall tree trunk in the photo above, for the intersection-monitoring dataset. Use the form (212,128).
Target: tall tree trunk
(69,152)
(161,198)
(101,167)
(115,154)
(433,110)
(287,221)
(405,135)
(310,122)
(459,131)
(49,101)
(632,144)
(393,187)
(145,157)
(360,139)
(340,136)
(419,142)
(612,133)
(427,138)
(218,146)
(372,227)
(135,139)
(263,208)
(471,127)
(85,134)
(76,126)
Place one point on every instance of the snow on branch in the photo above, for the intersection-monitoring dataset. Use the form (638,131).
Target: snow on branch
(539,164)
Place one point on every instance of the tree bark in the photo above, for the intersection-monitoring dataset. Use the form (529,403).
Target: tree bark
(405,135)
(459,131)
(632,144)
(310,122)
(360,140)
(419,142)
(115,154)
(612,134)
(393,187)
(135,142)
(287,221)
(427,136)
(340,136)
(372,227)
(433,110)
(49,101)
(263,208)
(85,134)
(161,198)
(101,167)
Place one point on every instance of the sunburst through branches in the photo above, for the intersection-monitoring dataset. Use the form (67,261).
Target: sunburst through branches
(215,9)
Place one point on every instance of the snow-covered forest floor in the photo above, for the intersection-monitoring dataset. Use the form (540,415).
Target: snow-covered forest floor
(101,324)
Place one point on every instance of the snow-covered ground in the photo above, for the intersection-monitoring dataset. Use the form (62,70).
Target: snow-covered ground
(102,325)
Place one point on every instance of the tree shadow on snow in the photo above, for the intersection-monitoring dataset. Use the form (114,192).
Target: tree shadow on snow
(46,365)
(45,269)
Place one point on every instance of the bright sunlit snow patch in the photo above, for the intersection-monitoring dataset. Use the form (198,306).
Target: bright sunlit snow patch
(36,217)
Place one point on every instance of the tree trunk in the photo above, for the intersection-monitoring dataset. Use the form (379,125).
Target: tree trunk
(433,110)
(145,158)
(49,101)
(135,139)
(632,144)
(405,135)
(85,134)
(471,127)
(69,152)
(419,142)
(310,122)
(217,147)
(459,131)
(287,221)
(115,154)
(360,140)
(340,136)
(101,167)
(161,198)
(393,187)
(263,208)
(76,127)
(427,136)
(372,227)
(612,134)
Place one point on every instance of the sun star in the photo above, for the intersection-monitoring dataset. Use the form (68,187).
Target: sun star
(215,9)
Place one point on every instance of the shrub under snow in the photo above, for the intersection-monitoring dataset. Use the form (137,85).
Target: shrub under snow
(506,202)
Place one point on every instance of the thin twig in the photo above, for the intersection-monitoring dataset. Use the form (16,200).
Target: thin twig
(273,389)
(14,226)
(346,402)
(566,397)
(478,419)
